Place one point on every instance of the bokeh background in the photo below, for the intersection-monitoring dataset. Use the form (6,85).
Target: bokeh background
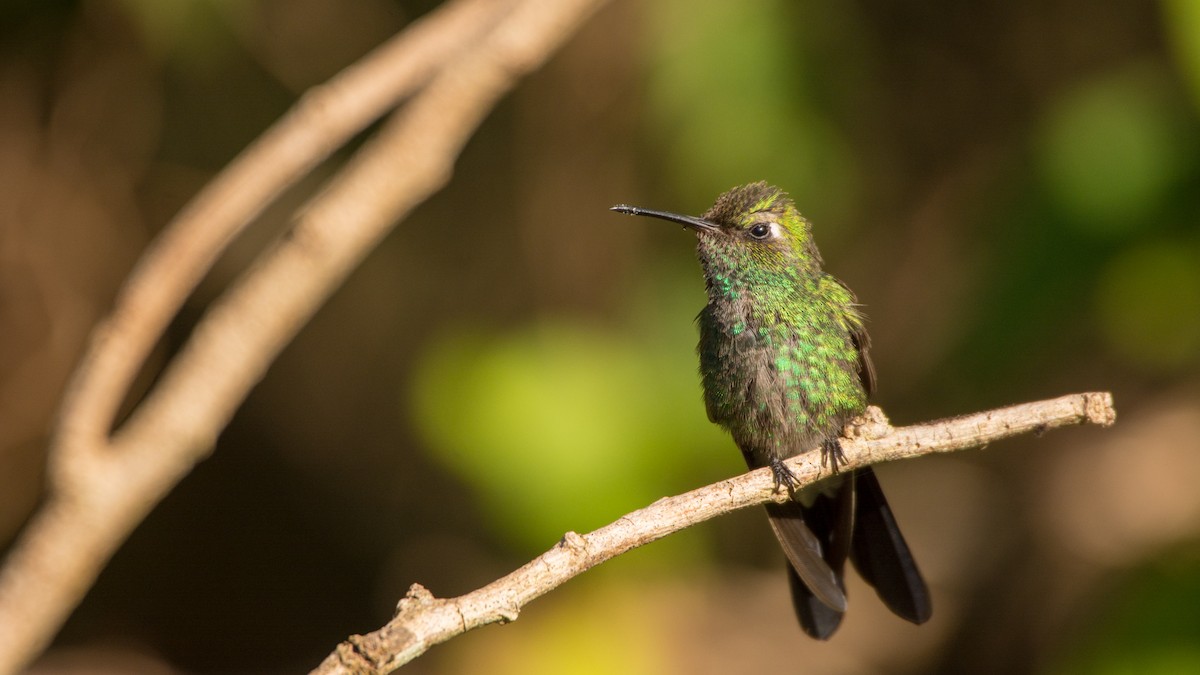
(1012,189)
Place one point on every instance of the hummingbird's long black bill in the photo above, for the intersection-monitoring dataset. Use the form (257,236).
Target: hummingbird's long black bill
(691,222)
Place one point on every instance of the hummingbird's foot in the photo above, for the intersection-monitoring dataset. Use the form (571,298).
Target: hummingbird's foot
(783,477)
(832,454)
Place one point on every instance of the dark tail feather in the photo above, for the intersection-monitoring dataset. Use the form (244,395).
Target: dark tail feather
(881,556)
(805,553)
(816,618)
(817,541)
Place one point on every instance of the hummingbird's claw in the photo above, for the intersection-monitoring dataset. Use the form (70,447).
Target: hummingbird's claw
(832,454)
(783,477)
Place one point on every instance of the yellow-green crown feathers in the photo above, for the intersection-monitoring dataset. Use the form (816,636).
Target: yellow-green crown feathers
(760,214)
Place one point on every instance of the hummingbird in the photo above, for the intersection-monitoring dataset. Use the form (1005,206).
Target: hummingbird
(785,364)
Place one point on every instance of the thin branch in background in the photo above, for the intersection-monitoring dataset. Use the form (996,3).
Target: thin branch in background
(423,621)
(322,121)
(455,64)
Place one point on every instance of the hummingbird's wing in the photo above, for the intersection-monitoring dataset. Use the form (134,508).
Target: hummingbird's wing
(862,342)
(881,555)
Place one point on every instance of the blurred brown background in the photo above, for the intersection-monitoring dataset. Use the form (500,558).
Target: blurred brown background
(1011,188)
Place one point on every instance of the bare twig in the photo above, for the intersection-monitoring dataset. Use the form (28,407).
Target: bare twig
(322,121)
(462,59)
(422,620)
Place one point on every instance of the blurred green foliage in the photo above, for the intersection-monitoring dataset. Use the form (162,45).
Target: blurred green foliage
(577,635)
(1099,241)
(1181,22)
(1112,149)
(1147,627)
(561,424)
(731,93)
(1148,301)
(194,31)
(1115,151)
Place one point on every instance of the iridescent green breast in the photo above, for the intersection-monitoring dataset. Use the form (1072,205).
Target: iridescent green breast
(781,373)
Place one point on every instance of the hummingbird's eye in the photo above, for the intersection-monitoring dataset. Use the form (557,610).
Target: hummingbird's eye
(760,231)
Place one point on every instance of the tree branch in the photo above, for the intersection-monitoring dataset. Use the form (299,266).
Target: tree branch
(324,119)
(422,620)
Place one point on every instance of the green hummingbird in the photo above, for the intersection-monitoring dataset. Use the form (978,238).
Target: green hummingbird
(785,365)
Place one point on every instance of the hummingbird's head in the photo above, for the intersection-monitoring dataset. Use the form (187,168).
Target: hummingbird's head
(752,227)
